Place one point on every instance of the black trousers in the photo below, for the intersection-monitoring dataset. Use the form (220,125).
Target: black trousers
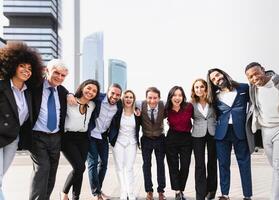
(158,145)
(205,182)
(75,147)
(178,151)
(45,154)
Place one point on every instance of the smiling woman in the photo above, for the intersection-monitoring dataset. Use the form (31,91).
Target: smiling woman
(20,68)
(75,141)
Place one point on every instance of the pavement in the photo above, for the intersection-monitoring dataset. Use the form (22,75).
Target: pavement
(17,180)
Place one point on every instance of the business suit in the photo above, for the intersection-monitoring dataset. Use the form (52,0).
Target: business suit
(234,134)
(203,135)
(124,151)
(45,148)
(10,127)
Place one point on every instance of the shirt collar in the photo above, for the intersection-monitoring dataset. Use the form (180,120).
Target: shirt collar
(156,108)
(105,100)
(13,86)
(47,85)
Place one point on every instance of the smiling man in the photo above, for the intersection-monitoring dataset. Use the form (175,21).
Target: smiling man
(264,113)
(107,107)
(49,111)
(230,100)
(153,138)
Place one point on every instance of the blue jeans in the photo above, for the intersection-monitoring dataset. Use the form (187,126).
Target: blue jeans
(97,167)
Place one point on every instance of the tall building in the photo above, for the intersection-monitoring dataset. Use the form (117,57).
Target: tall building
(117,73)
(93,59)
(2,42)
(36,22)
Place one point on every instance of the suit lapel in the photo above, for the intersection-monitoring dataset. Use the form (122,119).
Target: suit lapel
(37,101)
(209,111)
(237,95)
(199,112)
(29,103)
(9,94)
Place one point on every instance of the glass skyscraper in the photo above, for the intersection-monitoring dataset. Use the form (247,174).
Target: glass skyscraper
(117,73)
(93,59)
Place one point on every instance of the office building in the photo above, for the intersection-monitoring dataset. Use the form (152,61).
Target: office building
(35,22)
(93,59)
(2,42)
(117,73)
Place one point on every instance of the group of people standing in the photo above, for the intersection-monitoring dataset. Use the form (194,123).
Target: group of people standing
(38,114)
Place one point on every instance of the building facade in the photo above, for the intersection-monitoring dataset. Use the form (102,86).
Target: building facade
(93,58)
(35,22)
(2,42)
(117,73)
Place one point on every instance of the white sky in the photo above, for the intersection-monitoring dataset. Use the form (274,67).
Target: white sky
(173,42)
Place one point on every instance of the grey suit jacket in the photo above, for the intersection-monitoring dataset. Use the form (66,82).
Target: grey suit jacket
(252,123)
(201,124)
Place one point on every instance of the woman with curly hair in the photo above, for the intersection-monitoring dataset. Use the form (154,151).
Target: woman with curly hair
(20,69)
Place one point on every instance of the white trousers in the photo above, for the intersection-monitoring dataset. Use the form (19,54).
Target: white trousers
(271,148)
(7,154)
(124,159)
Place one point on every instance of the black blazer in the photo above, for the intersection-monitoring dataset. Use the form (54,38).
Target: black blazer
(9,120)
(37,94)
(115,126)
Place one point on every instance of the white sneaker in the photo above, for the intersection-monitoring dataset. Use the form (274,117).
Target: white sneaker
(123,196)
(132,196)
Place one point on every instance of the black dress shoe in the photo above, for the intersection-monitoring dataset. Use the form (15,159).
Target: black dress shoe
(210,196)
(179,196)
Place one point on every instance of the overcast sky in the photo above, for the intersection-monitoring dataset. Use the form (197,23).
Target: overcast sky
(173,42)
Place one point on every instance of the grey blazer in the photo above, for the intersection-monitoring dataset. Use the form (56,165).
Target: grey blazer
(201,124)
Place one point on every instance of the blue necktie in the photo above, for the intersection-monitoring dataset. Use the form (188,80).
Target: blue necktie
(51,108)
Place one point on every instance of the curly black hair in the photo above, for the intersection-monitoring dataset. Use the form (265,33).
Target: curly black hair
(15,53)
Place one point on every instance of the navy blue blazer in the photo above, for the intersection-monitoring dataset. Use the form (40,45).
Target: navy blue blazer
(238,111)
(96,113)
(114,130)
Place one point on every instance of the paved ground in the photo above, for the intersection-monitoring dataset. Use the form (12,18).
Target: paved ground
(17,180)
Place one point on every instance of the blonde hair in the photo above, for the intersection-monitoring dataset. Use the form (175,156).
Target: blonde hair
(129,91)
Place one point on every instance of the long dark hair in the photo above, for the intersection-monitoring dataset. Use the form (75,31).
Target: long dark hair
(213,88)
(78,93)
(169,104)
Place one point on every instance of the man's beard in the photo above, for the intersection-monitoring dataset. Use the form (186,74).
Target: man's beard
(224,84)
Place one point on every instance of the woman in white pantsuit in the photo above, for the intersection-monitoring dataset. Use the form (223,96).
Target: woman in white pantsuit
(125,145)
